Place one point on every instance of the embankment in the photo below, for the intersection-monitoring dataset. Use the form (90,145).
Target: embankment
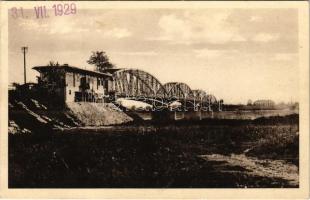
(28,115)
(98,114)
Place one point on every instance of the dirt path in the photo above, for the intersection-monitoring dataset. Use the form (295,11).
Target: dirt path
(257,167)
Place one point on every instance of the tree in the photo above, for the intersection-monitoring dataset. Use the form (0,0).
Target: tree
(54,79)
(53,64)
(100,60)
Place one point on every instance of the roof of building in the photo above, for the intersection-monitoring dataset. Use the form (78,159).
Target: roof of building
(71,68)
(112,70)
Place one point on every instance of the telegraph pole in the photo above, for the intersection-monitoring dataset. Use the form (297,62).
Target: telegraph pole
(24,50)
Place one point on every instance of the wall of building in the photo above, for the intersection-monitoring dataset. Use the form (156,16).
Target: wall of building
(73,83)
(71,86)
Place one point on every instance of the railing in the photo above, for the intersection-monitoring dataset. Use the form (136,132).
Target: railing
(88,97)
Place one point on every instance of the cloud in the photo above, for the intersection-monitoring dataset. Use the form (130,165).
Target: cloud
(284,57)
(212,53)
(238,38)
(264,37)
(255,19)
(191,27)
(33,25)
(71,26)
(201,53)
(138,53)
(173,26)
(117,33)
(52,26)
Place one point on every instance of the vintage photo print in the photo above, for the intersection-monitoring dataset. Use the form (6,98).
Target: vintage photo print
(154,99)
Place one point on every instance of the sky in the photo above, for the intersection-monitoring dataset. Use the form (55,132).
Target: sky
(236,54)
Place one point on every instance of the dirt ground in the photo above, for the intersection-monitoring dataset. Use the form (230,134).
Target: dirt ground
(261,154)
(257,167)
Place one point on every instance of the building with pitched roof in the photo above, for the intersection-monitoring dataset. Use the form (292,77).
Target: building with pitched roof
(73,84)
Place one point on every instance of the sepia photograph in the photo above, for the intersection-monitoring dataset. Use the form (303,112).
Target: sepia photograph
(163,97)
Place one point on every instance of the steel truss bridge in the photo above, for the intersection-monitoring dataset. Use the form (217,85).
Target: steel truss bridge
(140,85)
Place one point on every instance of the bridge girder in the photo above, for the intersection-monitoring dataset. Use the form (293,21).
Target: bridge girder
(199,94)
(133,82)
(138,83)
(211,99)
(178,90)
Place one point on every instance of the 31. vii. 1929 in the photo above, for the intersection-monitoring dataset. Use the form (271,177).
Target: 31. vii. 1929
(41,12)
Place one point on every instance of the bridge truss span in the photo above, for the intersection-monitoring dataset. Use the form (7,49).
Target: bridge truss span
(178,90)
(142,86)
(134,82)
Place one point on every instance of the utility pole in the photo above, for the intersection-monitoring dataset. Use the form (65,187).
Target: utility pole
(24,50)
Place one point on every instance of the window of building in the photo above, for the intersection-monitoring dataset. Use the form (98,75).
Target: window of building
(70,92)
(73,79)
(106,84)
